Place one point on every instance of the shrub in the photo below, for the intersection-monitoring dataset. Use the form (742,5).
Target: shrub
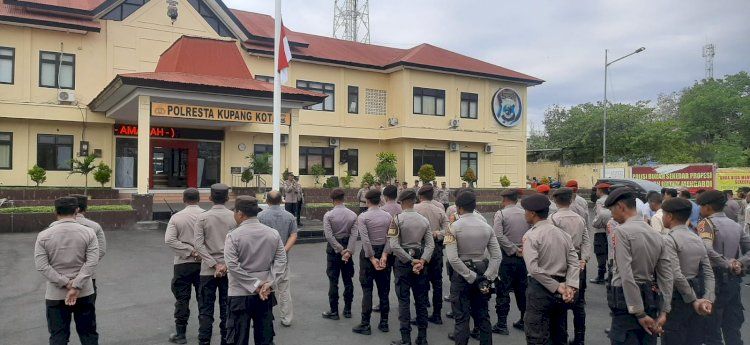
(38,175)
(426,173)
(469,177)
(317,171)
(51,209)
(386,168)
(103,173)
(504,181)
(368,178)
(331,182)
(261,164)
(247,176)
(346,181)
(83,167)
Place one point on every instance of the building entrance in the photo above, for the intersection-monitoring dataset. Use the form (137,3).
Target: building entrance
(174,164)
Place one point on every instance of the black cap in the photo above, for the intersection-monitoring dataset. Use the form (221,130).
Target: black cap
(245,203)
(66,201)
(621,193)
(675,205)
(561,191)
(219,190)
(407,194)
(711,197)
(535,202)
(511,192)
(82,200)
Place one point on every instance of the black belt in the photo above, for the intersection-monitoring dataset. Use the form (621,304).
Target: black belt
(649,295)
(478,267)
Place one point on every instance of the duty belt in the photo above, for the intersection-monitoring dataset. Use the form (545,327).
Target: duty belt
(650,296)
(415,252)
(478,267)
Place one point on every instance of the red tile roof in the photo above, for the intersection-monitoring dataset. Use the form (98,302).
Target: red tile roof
(84,5)
(18,14)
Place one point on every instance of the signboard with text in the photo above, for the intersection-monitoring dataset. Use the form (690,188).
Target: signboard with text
(197,112)
(692,176)
(127,130)
(732,178)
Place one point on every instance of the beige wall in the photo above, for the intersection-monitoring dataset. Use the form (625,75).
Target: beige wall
(585,174)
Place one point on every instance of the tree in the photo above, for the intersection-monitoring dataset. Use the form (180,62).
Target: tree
(261,164)
(386,168)
(38,175)
(317,171)
(83,167)
(426,173)
(368,178)
(103,173)
(505,181)
(469,177)
(247,176)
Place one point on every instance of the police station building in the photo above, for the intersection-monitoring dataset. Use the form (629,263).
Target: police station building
(88,76)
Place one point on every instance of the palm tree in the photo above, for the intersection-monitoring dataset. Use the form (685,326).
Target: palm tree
(84,167)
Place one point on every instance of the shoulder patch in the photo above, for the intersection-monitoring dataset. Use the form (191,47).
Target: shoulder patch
(449,237)
(705,229)
(393,229)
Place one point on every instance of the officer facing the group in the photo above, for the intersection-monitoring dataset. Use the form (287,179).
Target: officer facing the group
(187,262)
(471,280)
(693,277)
(341,234)
(638,309)
(211,229)
(256,259)
(725,242)
(553,267)
(510,225)
(438,225)
(411,241)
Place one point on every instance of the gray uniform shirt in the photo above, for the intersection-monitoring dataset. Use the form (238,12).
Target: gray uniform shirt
(689,258)
(575,226)
(372,227)
(732,210)
(211,229)
(292,192)
(602,215)
(392,208)
(410,230)
(279,219)
(361,197)
(99,232)
(180,236)
(639,252)
(469,238)
(581,207)
(338,224)
(255,255)
(436,216)
(548,252)
(510,225)
(724,240)
(443,195)
(66,251)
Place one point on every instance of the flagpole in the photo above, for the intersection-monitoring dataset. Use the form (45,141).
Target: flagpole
(276,176)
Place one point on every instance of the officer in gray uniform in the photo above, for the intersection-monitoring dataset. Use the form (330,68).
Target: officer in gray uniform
(411,241)
(553,267)
(339,227)
(472,274)
(66,254)
(510,226)
(255,258)
(390,194)
(180,238)
(725,242)
(693,277)
(435,214)
(639,302)
(374,262)
(100,239)
(599,223)
(573,224)
(211,229)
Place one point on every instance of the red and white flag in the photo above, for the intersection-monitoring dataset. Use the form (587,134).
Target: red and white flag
(285,55)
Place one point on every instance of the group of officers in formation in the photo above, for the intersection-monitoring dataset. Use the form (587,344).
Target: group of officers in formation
(679,279)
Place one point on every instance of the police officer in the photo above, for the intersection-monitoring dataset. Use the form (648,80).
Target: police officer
(637,308)
(83,201)
(255,259)
(574,225)
(471,280)
(211,229)
(187,262)
(553,268)
(510,225)
(579,205)
(725,242)
(411,241)
(435,214)
(444,195)
(66,254)
(599,223)
(390,194)
(693,277)
(339,227)
(374,263)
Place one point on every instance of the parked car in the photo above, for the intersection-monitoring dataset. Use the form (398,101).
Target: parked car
(641,187)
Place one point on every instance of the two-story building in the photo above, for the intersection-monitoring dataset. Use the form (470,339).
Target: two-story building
(184,100)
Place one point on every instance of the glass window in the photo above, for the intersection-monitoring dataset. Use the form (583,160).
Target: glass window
(434,157)
(429,101)
(7,64)
(54,152)
(209,163)
(57,71)
(126,166)
(352,161)
(353,100)
(127,8)
(261,149)
(325,88)
(469,105)
(265,78)
(6,150)
(208,15)
(310,156)
(469,160)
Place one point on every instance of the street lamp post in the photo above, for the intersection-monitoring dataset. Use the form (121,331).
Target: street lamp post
(604,131)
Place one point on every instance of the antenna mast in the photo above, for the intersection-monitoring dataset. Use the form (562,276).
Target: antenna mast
(708,53)
(351,20)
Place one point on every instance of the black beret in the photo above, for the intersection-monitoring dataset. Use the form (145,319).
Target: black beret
(407,194)
(509,192)
(81,199)
(425,189)
(711,197)
(561,191)
(245,203)
(674,205)
(535,203)
(621,193)
(219,187)
(66,201)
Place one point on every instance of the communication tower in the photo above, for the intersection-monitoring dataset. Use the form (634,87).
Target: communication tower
(351,20)
(708,53)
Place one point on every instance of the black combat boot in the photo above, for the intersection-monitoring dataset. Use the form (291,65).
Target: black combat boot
(331,315)
(435,318)
(178,337)
(383,325)
(421,336)
(518,324)
(362,328)
(405,339)
(578,339)
(348,311)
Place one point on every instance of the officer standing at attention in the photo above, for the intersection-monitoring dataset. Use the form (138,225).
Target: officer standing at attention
(553,268)
(601,217)
(339,227)
(255,258)
(574,225)
(472,273)
(187,262)
(211,229)
(390,193)
(444,195)
(510,225)
(284,222)
(579,205)
(638,308)
(725,242)
(66,254)
(374,263)
(438,226)
(545,190)
(412,243)
(693,277)
(100,239)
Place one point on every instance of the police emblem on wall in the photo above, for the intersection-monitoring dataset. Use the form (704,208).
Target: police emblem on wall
(507,107)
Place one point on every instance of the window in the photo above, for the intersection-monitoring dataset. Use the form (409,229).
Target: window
(6,150)
(7,64)
(54,152)
(326,88)
(213,21)
(127,8)
(469,105)
(126,166)
(210,154)
(353,101)
(265,78)
(310,156)
(433,157)
(469,160)
(429,101)
(261,149)
(57,71)
(351,158)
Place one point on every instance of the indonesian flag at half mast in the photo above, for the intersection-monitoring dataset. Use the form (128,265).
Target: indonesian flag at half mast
(285,55)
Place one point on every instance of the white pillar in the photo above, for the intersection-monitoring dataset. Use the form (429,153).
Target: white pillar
(144,143)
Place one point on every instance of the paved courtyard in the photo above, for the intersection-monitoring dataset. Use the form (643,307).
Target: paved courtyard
(135,304)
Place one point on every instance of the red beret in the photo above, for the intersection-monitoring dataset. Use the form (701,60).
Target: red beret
(603,186)
(543,188)
(572,183)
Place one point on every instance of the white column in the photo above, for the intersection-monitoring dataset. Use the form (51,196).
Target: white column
(144,143)
(276,173)
(293,146)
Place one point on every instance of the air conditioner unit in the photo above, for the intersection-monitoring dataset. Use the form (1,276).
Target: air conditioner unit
(454,146)
(284,139)
(488,148)
(333,142)
(392,122)
(67,96)
(454,123)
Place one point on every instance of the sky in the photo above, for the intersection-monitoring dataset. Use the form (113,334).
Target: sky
(562,42)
